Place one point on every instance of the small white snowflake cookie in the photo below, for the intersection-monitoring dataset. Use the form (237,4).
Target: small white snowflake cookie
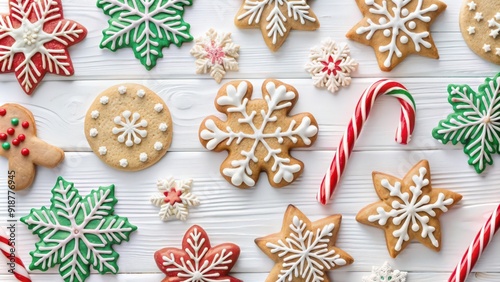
(174,198)
(216,54)
(330,65)
(409,208)
(304,250)
(385,273)
(129,127)
(480,26)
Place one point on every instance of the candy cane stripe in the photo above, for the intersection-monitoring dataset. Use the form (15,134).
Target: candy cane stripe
(20,271)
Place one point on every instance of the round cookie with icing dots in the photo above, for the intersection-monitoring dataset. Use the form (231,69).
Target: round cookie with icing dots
(129,127)
(480,26)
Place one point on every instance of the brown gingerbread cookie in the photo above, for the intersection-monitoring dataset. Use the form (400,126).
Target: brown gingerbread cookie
(22,147)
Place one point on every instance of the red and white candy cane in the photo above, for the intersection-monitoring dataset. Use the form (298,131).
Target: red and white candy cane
(20,271)
(481,241)
(365,104)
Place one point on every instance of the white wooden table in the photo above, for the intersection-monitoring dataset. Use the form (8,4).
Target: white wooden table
(239,216)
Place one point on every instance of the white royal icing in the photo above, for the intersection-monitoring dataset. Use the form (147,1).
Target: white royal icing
(93,132)
(158,146)
(103,150)
(123,163)
(158,107)
(94,114)
(130,128)
(143,157)
(141,93)
(122,89)
(104,100)
(163,127)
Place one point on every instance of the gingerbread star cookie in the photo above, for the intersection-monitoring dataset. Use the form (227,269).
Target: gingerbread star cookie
(480,26)
(409,208)
(174,198)
(276,19)
(303,250)
(397,28)
(22,147)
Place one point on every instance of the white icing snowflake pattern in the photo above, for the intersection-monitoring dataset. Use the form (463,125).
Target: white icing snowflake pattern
(331,65)
(385,273)
(130,128)
(401,20)
(215,53)
(408,209)
(494,24)
(305,253)
(174,198)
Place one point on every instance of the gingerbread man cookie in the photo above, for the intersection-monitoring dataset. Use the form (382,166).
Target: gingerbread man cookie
(22,147)
(480,26)
(129,127)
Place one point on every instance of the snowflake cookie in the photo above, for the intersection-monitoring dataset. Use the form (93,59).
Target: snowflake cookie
(474,122)
(174,198)
(215,53)
(480,26)
(129,127)
(304,251)
(409,208)
(276,18)
(34,38)
(385,273)
(78,232)
(330,65)
(397,28)
(197,260)
(258,133)
(146,26)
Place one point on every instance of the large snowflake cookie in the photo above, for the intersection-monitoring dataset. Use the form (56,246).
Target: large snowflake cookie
(276,18)
(78,232)
(146,26)
(197,260)
(129,127)
(34,38)
(174,197)
(215,54)
(385,273)
(22,147)
(258,133)
(408,209)
(480,26)
(331,65)
(304,251)
(474,122)
(397,28)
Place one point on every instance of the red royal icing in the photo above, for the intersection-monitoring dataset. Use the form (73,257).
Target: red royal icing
(173,196)
(11,131)
(215,54)
(25,152)
(26,124)
(21,137)
(331,66)
(3,112)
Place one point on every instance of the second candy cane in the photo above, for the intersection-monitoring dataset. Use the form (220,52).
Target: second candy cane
(405,129)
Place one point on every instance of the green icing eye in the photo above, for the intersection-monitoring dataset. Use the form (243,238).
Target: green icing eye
(390,278)
(382,278)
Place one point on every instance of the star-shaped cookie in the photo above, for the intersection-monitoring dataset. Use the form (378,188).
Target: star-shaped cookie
(276,18)
(409,208)
(397,28)
(304,250)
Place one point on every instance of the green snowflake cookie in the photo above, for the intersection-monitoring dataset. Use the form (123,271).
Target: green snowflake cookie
(475,122)
(146,26)
(78,232)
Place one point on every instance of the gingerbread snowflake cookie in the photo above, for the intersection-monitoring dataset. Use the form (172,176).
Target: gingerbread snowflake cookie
(258,133)
(174,198)
(331,65)
(197,260)
(34,41)
(129,127)
(397,28)
(303,250)
(22,147)
(480,26)
(385,273)
(216,54)
(408,209)
(276,19)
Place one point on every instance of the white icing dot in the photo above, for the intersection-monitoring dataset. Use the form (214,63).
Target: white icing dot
(94,114)
(404,39)
(102,150)
(122,90)
(143,157)
(123,162)
(93,132)
(163,127)
(405,12)
(412,25)
(369,2)
(141,93)
(387,32)
(158,146)
(158,107)
(104,100)
(382,20)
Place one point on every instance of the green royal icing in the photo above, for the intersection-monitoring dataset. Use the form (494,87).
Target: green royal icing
(475,121)
(146,26)
(78,232)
